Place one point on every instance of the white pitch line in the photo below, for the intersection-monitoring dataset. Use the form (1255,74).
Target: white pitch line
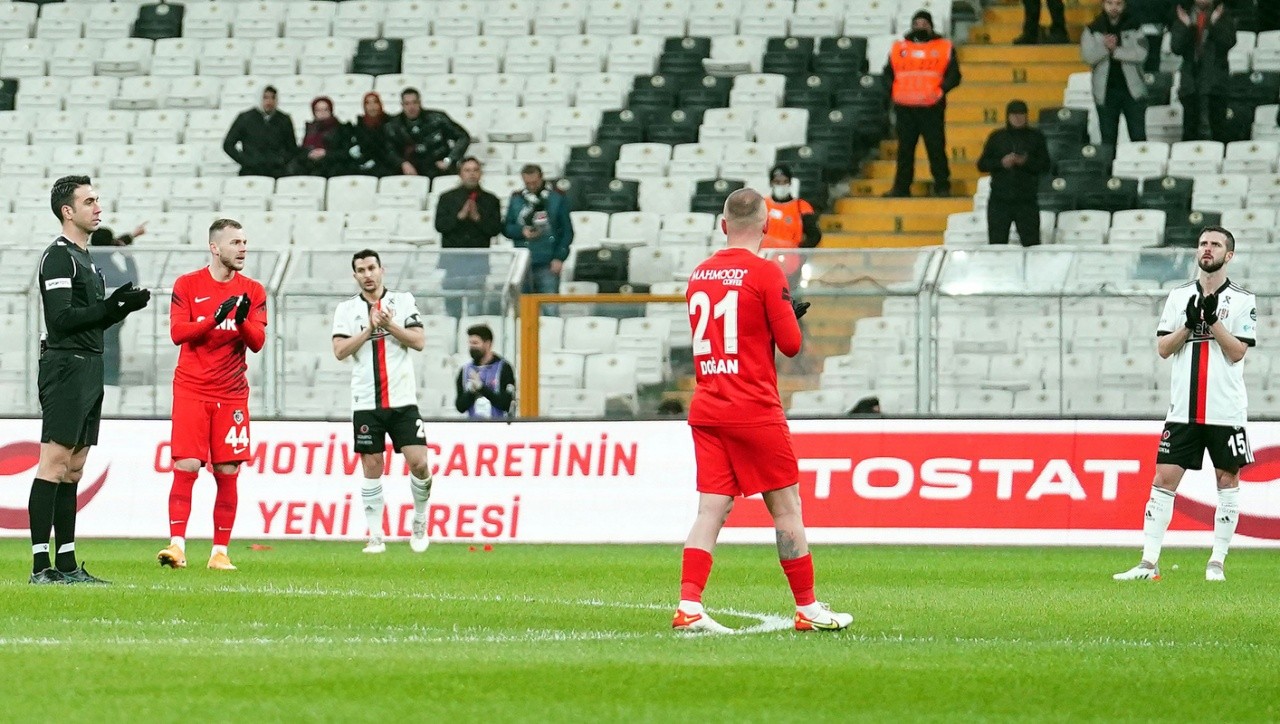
(765,623)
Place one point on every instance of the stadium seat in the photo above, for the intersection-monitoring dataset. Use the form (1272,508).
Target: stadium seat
(561,403)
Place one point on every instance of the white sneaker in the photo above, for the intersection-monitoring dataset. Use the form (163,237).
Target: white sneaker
(697,621)
(375,546)
(1139,572)
(419,541)
(1213,572)
(819,617)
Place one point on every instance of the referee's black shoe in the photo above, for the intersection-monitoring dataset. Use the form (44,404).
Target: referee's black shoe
(49,576)
(80,575)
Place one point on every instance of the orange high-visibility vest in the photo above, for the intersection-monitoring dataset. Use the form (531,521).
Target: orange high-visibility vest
(786,229)
(918,69)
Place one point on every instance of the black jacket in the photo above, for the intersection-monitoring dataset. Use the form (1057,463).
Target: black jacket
(458,233)
(950,77)
(262,146)
(1209,73)
(337,159)
(1019,183)
(424,140)
(371,149)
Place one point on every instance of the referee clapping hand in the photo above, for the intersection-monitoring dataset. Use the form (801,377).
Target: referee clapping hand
(126,300)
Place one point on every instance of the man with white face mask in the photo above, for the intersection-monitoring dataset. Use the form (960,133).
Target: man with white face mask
(793,224)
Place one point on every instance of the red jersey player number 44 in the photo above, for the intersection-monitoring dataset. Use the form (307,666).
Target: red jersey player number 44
(741,310)
(216,314)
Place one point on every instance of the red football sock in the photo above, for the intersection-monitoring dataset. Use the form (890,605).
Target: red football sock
(800,575)
(180,502)
(224,507)
(695,569)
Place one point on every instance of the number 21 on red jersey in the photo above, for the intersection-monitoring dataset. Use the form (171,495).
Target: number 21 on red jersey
(715,330)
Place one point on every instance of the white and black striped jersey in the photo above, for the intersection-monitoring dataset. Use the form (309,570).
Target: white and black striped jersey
(1205,386)
(382,376)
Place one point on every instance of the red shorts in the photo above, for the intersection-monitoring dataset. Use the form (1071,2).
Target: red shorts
(744,460)
(211,432)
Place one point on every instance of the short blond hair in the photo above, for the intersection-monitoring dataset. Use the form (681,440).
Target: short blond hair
(744,209)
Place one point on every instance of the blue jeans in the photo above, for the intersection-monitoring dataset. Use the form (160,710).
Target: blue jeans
(541,280)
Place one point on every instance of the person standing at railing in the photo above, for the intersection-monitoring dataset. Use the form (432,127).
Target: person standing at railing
(538,220)
(1206,328)
(467,217)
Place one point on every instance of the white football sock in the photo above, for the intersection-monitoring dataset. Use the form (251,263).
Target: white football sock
(1224,522)
(1156,522)
(179,541)
(690,606)
(371,493)
(218,549)
(421,490)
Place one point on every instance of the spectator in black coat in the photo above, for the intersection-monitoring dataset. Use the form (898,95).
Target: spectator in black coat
(1202,35)
(261,140)
(467,217)
(427,142)
(1015,156)
(325,143)
(370,146)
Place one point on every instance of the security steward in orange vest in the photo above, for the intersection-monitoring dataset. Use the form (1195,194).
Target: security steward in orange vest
(922,69)
(792,223)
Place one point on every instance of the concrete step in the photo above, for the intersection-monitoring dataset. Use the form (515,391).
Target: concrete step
(877,170)
(1004,33)
(866,240)
(1013,14)
(1039,93)
(970,55)
(884,223)
(904,207)
(990,113)
(1022,73)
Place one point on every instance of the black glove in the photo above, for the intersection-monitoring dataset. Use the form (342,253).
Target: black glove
(1193,314)
(224,310)
(126,300)
(799,308)
(242,310)
(1209,305)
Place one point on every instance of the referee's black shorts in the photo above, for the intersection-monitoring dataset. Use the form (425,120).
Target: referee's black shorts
(70,386)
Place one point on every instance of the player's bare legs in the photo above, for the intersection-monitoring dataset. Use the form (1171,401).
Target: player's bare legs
(695,567)
(52,508)
(371,496)
(1155,522)
(420,487)
(797,564)
(1224,522)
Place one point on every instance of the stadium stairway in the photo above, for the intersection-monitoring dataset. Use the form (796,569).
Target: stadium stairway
(994,72)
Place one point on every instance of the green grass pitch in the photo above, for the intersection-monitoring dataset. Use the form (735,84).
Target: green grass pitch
(321,632)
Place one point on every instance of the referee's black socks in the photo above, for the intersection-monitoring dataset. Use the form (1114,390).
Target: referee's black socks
(40,518)
(64,526)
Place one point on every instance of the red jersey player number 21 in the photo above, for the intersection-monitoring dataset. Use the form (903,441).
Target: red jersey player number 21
(215,315)
(740,311)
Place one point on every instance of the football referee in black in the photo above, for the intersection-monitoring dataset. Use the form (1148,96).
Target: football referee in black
(70,376)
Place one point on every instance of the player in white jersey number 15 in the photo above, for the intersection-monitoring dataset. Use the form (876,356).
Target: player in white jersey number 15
(376,329)
(1206,327)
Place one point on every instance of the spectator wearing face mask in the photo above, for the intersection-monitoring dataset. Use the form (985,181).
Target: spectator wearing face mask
(486,385)
(793,224)
(922,69)
(1015,156)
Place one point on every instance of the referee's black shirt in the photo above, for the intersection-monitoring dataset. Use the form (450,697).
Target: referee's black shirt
(72,291)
